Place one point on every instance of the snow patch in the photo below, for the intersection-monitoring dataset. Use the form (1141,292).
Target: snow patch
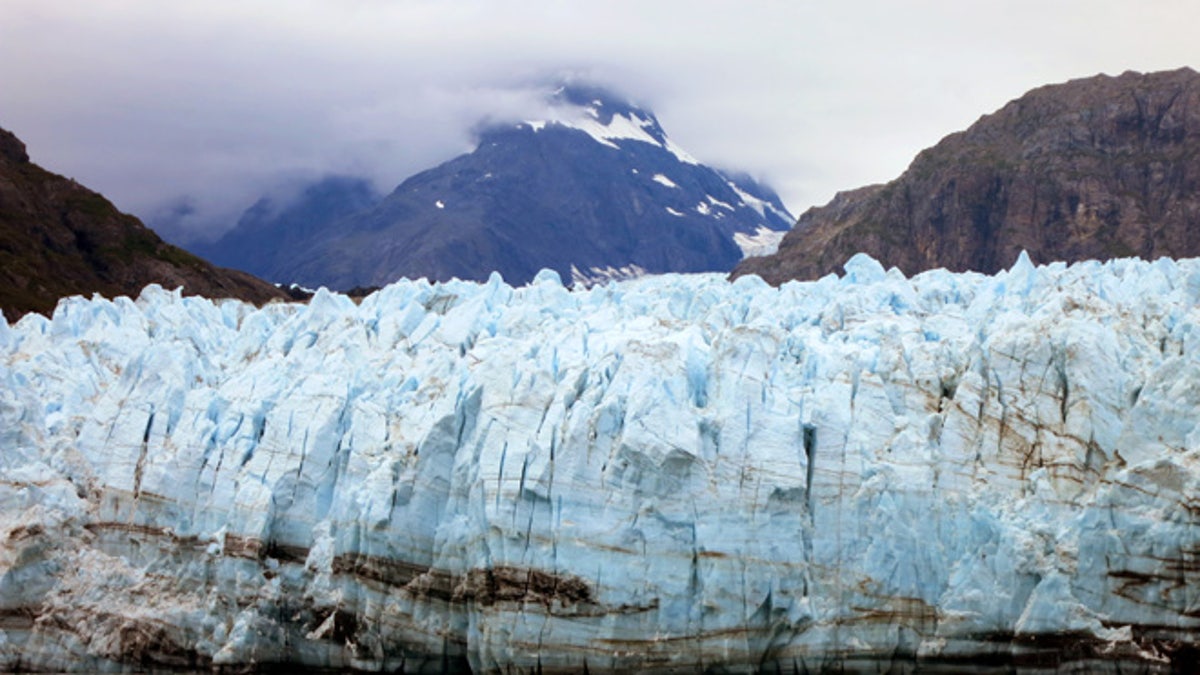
(764,241)
(630,127)
(759,205)
(673,212)
(621,127)
(717,202)
(680,153)
(663,180)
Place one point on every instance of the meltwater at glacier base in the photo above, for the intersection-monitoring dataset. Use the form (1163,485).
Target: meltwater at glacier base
(674,473)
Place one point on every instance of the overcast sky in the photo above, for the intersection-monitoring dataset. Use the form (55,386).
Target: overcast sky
(216,102)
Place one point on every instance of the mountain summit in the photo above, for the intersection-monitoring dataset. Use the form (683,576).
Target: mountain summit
(594,190)
(1096,168)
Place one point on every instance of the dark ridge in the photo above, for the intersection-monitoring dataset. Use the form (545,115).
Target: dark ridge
(1096,168)
(58,238)
(11,148)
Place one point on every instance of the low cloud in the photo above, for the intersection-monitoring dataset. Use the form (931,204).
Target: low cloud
(186,112)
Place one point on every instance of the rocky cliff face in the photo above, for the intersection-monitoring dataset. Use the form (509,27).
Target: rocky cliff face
(57,238)
(675,474)
(1095,168)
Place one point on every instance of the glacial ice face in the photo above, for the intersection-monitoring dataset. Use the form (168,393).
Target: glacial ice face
(668,472)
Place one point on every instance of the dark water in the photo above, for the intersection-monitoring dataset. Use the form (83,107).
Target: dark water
(846,667)
(973,668)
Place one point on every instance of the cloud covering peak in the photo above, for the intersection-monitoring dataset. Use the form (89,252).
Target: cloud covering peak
(201,107)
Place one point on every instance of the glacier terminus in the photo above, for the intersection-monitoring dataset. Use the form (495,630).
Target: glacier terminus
(670,473)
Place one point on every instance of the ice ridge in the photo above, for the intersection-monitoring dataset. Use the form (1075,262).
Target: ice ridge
(669,472)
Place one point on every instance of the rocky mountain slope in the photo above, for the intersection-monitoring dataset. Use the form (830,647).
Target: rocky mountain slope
(270,232)
(1099,168)
(673,474)
(58,238)
(595,191)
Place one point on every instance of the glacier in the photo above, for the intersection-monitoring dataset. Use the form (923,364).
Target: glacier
(671,473)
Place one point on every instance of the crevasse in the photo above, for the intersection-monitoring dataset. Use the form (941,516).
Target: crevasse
(671,472)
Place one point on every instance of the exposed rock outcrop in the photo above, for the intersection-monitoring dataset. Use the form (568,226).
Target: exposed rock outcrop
(1095,168)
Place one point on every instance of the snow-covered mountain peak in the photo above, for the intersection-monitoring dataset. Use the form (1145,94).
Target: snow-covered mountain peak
(606,118)
(590,185)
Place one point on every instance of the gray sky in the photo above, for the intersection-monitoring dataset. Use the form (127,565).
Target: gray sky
(149,101)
